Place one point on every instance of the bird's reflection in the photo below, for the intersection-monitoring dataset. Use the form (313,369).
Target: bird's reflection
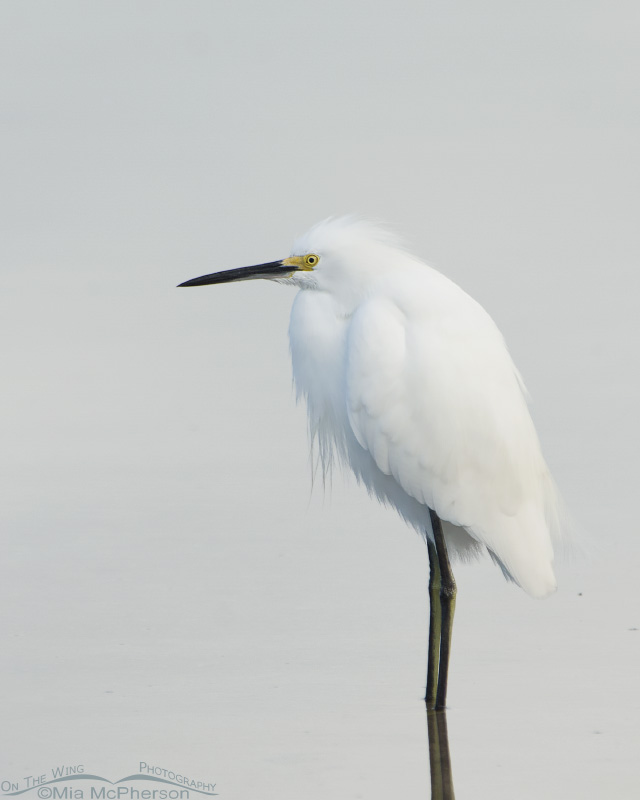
(439,757)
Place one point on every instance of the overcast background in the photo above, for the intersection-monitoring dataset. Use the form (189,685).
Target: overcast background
(171,589)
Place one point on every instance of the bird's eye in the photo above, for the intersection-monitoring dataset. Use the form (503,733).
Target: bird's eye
(311,260)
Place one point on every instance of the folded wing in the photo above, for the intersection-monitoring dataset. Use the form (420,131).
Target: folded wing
(434,397)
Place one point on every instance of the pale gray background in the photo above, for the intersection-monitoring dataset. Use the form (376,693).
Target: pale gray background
(170,588)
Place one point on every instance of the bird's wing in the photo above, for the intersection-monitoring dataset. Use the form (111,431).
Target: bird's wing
(437,402)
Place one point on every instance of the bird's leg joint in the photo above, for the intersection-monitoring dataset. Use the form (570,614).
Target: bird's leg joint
(448,591)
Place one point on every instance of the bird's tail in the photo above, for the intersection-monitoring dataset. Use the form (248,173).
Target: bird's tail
(522,548)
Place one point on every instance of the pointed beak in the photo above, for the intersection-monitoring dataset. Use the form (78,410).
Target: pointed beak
(274,269)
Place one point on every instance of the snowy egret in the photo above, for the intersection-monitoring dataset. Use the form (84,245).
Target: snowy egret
(408,381)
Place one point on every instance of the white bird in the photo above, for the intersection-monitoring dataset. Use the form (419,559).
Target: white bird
(408,381)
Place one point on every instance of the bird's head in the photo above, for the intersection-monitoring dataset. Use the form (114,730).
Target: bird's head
(334,252)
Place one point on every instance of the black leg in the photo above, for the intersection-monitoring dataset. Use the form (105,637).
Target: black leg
(439,757)
(435,624)
(448,591)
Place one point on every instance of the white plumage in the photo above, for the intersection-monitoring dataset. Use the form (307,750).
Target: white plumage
(408,381)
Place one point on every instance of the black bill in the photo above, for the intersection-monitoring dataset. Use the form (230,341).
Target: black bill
(273,269)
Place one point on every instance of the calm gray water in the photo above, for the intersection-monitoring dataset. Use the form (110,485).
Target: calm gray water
(172,590)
